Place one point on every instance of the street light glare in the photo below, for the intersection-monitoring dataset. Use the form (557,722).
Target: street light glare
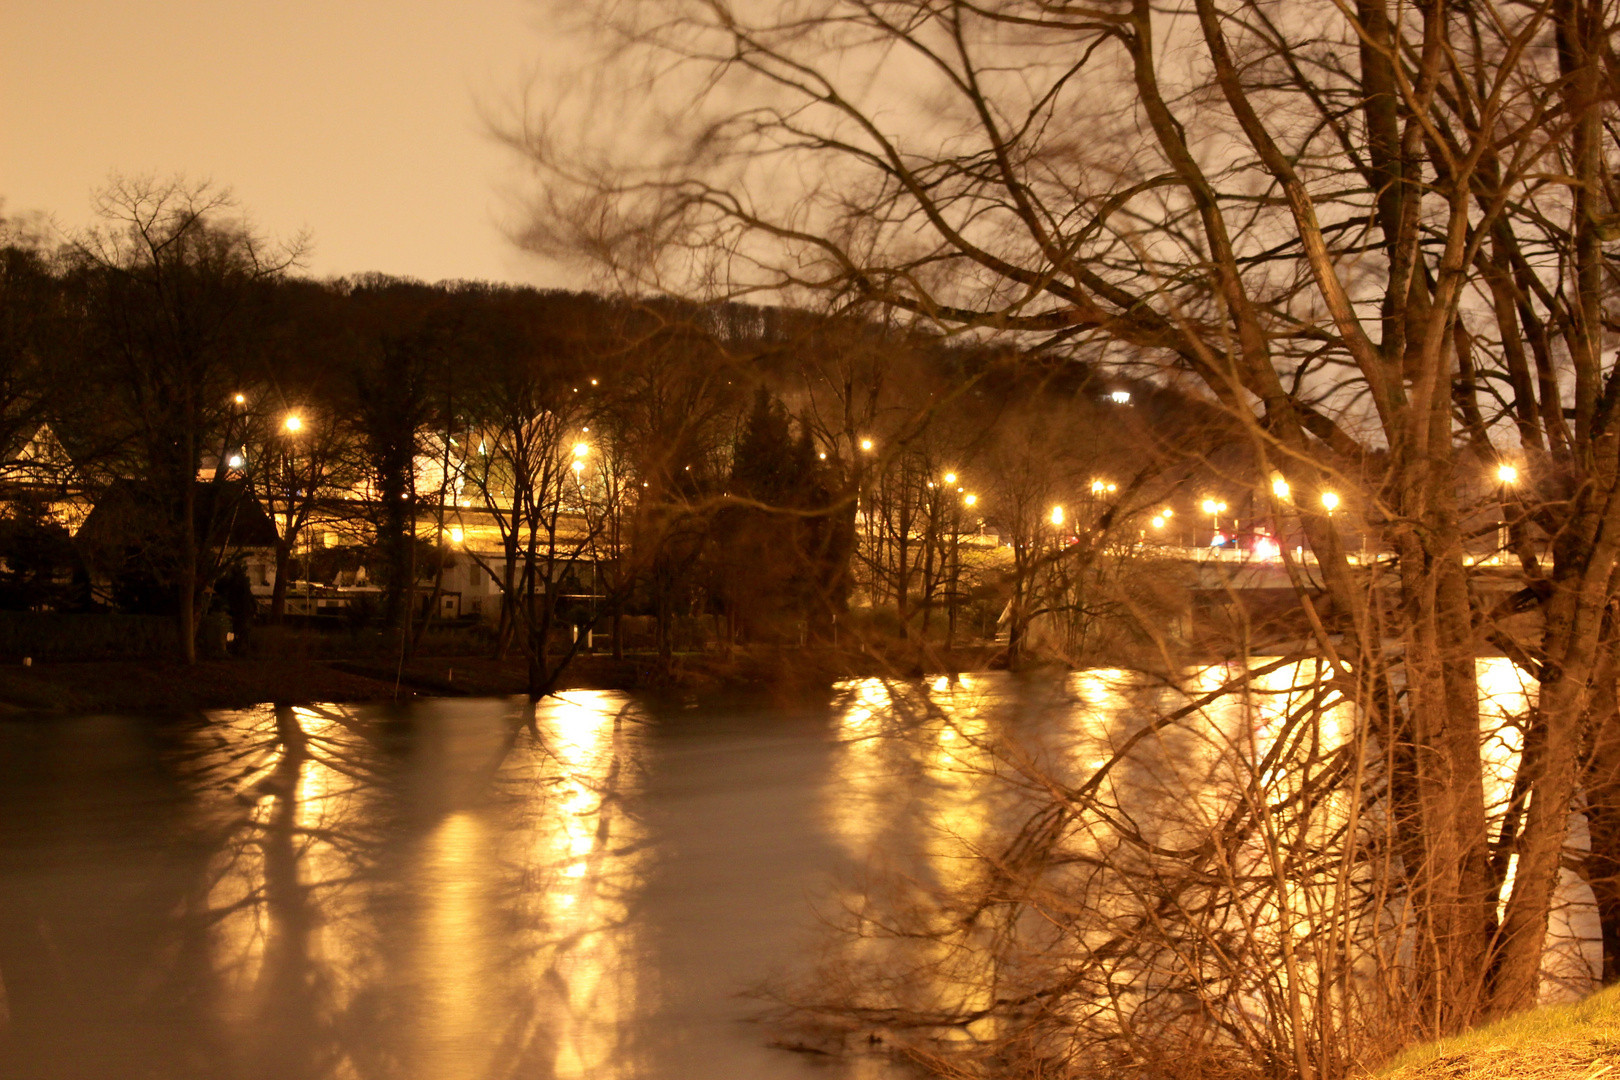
(455,535)
(1158,522)
(866,444)
(969,500)
(581,449)
(1330,500)
(241,399)
(950,478)
(1279,488)
(1507,474)
(294,422)
(1057,515)
(1211,506)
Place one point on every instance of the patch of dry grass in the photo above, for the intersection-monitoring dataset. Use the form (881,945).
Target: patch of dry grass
(1565,1042)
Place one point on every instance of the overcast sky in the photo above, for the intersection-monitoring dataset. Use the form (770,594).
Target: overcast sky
(355,119)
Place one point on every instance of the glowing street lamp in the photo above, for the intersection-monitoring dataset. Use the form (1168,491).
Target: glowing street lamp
(581,449)
(1158,521)
(294,423)
(950,478)
(1214,508)
(1509,476)
(1057,515)
(1102,487)
(1330,501)
(969,499)
(866,444)
(241,399)
(455,535)
(1279,487)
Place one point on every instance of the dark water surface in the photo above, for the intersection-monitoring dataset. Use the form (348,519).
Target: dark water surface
(425,891)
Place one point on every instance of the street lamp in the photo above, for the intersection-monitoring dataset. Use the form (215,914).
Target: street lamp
(969,499)
(866,444)
(1279,487)
(456,534)
(1057,515)
(1102,487)
(1509,476)
(950,478)
(1331,501)
(294,423)
(241,399)
(1214,508)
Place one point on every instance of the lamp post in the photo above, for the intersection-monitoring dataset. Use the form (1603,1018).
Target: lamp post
(954,577)
(1214,508)
(292,424)
(1507,475)
(582,450)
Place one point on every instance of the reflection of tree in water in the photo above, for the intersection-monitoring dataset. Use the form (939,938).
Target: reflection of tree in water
(426,897)
(440,891)
(279,880)
(577,863)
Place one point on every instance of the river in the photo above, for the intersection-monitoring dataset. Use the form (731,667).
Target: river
(437,891)
(426,891)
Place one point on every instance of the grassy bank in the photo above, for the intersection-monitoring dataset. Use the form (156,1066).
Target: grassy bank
(1565,1042)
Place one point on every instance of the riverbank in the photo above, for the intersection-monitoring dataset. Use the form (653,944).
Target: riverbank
(148,686)
(1580,1041)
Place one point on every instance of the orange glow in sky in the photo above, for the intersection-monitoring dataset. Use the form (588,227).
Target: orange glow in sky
(358,121)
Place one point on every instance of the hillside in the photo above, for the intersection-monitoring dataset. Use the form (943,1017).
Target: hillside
(1565,1042)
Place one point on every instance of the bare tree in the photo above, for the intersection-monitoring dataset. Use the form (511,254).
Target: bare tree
(299,459)
(1375,235)
(169,282)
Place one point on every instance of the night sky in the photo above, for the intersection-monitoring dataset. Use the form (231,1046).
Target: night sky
(358,120)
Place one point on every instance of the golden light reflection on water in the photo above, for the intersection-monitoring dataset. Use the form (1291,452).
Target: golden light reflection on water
(506,934)
(457,1000)
(588,855)
(919,755)
(474,888)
